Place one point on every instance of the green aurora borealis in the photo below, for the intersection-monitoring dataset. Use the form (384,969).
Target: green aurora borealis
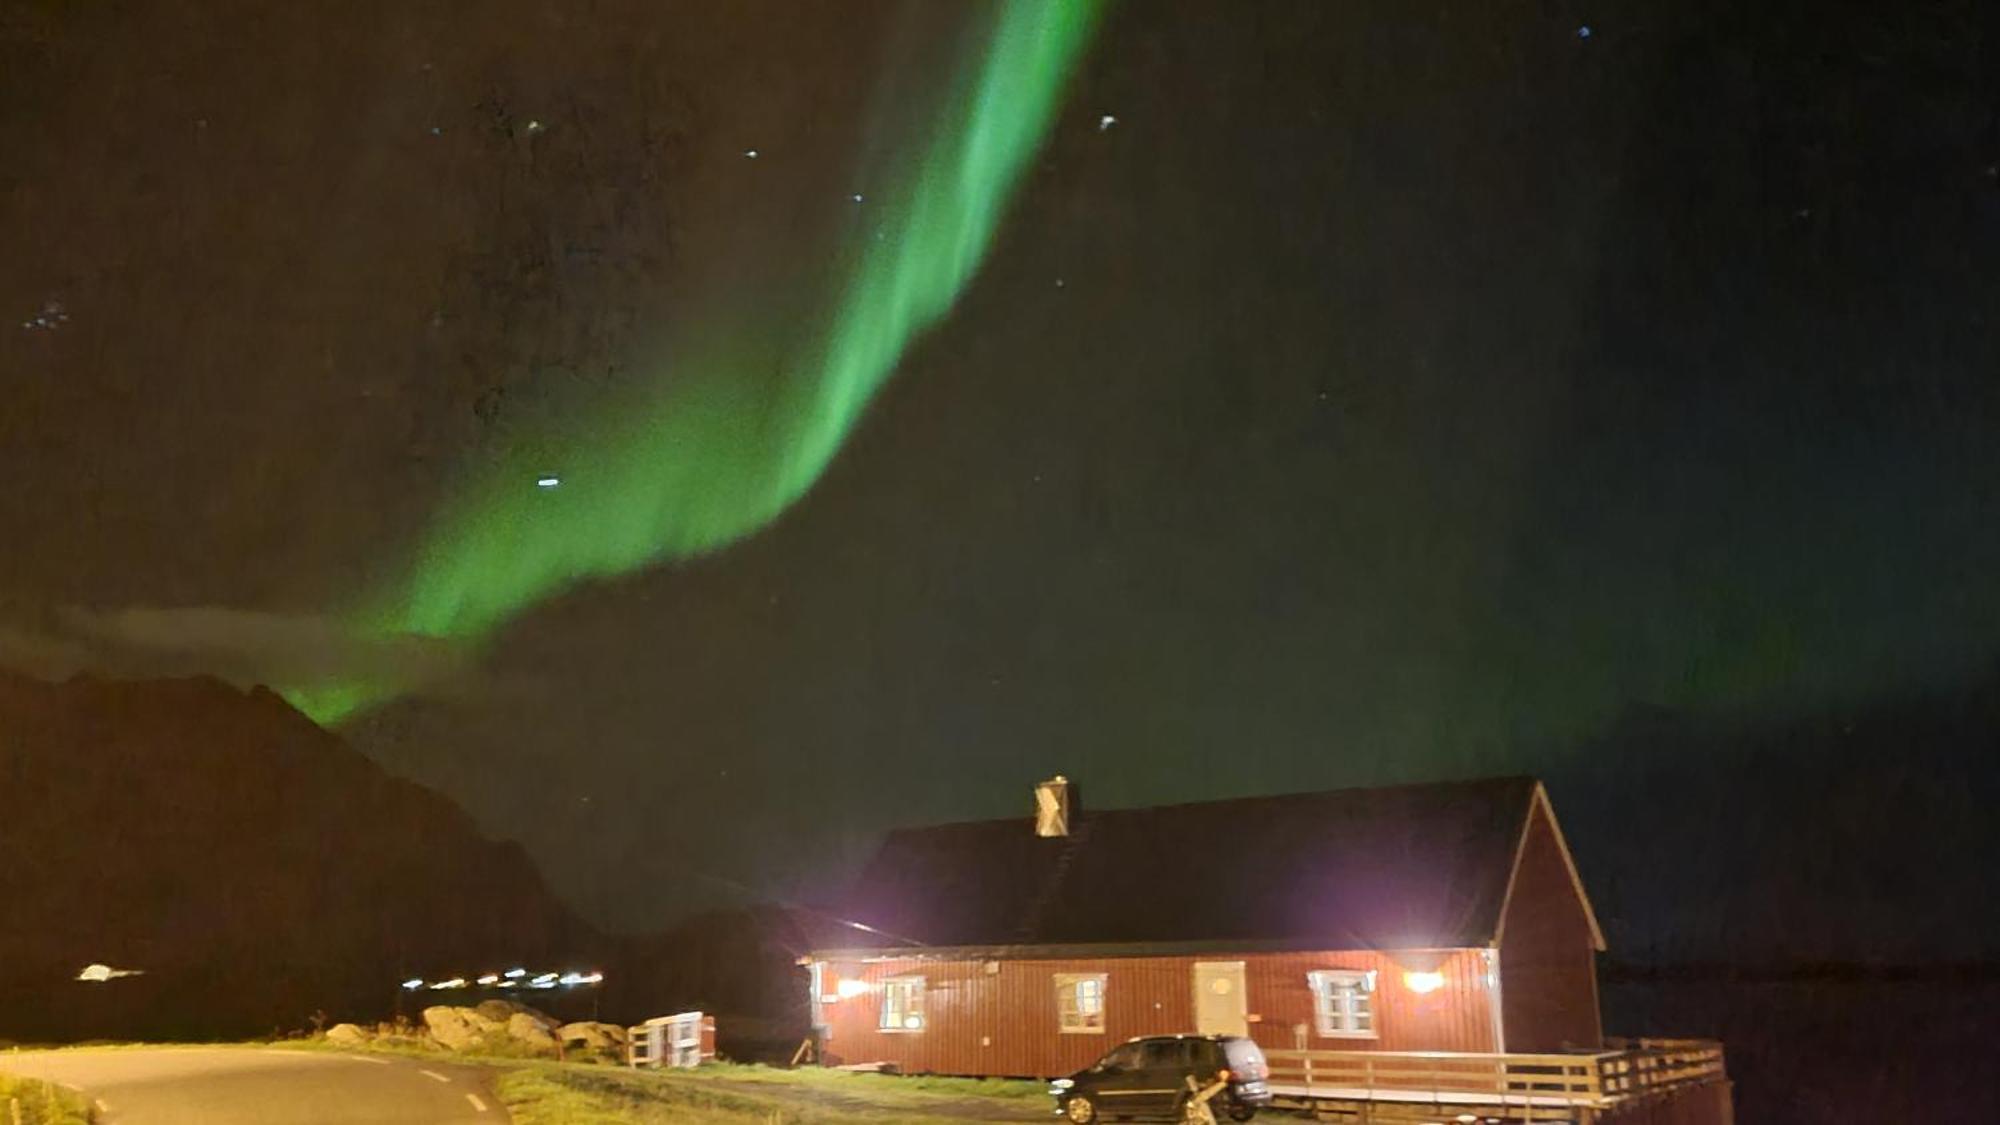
(722,448)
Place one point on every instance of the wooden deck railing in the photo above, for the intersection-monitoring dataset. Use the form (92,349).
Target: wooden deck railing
(1639,1066)
(1595,1079)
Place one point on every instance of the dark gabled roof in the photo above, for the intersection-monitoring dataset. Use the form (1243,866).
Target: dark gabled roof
(1406,867)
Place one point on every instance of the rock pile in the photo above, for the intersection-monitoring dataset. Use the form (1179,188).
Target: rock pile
(495,1026)
(594,1036)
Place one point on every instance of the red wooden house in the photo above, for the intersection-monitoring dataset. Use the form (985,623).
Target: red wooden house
(1354,934)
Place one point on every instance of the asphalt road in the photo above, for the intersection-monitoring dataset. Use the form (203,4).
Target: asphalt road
(253,1086)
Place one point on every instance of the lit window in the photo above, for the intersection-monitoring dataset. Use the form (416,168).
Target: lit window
(1080,1002)
(1343,1003)
(903,1004)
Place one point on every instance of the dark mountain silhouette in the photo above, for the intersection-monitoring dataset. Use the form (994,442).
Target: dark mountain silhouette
(1863,836)
(252,864)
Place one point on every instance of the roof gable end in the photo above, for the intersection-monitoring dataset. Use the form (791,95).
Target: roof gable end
(1541,804)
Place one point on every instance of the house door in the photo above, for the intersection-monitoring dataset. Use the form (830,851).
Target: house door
(1219,1003)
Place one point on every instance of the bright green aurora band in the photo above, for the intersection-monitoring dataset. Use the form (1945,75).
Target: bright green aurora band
(720,454)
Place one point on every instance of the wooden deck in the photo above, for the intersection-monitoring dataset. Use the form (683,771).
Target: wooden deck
(1579,1087)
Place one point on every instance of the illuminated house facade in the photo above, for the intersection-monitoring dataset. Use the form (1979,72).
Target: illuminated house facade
(1363,924)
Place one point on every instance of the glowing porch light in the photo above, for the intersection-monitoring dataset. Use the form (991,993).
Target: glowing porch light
(849,988)
(489,978)
(1423,982)
(414,983)
(515,974)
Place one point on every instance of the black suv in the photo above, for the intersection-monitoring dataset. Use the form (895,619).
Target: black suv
(1148,1077)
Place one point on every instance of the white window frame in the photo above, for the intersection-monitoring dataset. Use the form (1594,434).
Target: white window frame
(1071,1016)
(818,970)
(902,997)
(1342,998)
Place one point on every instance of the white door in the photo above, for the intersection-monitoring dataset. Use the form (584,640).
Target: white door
(1219,1003)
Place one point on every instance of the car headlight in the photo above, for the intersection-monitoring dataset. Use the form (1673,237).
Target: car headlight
(1061,1084)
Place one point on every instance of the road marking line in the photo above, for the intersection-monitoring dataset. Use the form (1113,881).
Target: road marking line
(477,1105)
(366,1059)
(433,1074)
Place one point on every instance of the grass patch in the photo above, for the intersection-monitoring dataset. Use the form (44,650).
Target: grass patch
(41,1103)
(883,1087)
(547,1094)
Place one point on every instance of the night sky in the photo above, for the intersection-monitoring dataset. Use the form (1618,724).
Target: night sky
(1385,392)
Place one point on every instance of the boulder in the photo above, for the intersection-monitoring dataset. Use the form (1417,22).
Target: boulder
(529,1030)
(594,1035)
(347,1035)
(499,1011)
(458,1029)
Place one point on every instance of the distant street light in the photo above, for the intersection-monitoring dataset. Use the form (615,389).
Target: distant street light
(512,978)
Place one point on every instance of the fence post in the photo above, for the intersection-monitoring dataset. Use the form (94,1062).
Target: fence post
(14,1109)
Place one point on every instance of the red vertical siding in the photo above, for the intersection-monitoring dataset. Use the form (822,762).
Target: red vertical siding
(1454,1017)
(1548,962)
(1004,1022)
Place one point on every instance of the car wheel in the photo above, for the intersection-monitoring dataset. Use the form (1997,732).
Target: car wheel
(1242,1112)
(1080,1110)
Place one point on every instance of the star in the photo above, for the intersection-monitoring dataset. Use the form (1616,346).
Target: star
(751,153)
(1106,122)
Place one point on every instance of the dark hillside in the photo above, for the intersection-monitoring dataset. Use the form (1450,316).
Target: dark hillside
(253,865)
